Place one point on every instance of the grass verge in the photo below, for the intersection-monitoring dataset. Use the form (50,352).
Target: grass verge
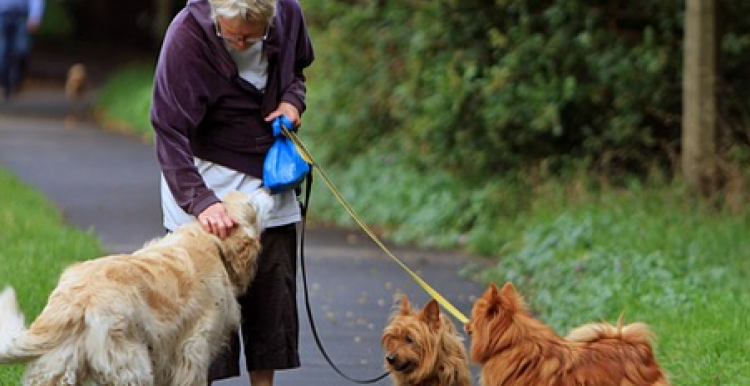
(35,246)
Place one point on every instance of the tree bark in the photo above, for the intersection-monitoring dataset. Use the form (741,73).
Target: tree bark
(699,97)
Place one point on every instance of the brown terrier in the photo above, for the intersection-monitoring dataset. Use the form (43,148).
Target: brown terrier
(76,83)
(514,348)
(423,348)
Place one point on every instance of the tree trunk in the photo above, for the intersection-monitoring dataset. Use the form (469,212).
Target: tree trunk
(699,96)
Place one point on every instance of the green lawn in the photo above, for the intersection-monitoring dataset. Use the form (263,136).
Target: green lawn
(653,256)
(35,246)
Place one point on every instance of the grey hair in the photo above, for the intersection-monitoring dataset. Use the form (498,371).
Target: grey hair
(261,11)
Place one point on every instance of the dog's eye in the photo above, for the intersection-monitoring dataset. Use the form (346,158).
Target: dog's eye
(409,339)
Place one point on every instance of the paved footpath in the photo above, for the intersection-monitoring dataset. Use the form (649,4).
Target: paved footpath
(108,183)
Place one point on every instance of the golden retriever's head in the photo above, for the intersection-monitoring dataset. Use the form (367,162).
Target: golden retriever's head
(241,248)
(251,210)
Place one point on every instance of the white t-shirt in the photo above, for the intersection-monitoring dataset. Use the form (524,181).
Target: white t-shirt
(252,65)
(222,180)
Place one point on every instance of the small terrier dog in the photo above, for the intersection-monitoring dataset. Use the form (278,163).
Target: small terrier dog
(76,83)
(423,348)
(513,348)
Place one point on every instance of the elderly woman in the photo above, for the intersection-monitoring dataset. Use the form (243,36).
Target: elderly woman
(226,69)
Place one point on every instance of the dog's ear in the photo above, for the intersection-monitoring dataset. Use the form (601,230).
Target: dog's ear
(492,294)
(404,306)
(244,254)
(494,299)
(509,290)
(510,300)
(430,314)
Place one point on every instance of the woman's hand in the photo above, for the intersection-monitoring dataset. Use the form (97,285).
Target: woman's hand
(287,109)
(216,221)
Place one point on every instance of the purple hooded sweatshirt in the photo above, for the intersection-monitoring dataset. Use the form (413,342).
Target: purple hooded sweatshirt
(202,108)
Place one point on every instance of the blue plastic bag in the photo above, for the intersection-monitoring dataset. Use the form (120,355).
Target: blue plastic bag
(284,168)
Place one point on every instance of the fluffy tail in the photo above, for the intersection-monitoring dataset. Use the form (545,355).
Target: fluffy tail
(16,345)
(637,333)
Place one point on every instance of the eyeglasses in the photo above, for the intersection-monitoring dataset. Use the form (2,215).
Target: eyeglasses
(249,40)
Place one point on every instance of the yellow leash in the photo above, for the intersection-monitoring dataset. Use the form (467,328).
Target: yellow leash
(308,157)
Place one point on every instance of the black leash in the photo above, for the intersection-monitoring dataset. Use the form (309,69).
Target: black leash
(306,205)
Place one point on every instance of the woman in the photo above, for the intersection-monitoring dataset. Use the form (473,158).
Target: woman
(227,68)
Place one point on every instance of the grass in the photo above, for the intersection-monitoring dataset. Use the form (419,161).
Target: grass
(124,102)
(35,246)
(580,250)
(643,253)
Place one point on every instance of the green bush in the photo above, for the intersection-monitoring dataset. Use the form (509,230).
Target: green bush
(471,106)
(475,87)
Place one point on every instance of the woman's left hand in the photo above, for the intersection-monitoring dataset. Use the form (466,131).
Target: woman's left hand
(287,109)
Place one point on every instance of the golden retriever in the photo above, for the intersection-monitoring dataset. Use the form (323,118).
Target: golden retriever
(157,316)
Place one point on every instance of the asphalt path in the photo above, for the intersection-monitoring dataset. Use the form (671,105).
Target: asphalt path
(107,183)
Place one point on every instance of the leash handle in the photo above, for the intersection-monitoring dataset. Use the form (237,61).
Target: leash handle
(307,156)
(305,206)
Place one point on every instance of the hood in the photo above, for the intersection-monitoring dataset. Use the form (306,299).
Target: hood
(201,11)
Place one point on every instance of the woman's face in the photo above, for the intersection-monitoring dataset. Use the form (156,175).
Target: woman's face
(240,34)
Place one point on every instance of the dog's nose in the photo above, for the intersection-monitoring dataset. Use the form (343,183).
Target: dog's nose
(391,358)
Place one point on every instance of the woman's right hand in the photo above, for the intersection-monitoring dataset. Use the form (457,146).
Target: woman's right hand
(216,220)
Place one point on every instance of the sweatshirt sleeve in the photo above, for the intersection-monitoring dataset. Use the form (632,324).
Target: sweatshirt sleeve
(180,97)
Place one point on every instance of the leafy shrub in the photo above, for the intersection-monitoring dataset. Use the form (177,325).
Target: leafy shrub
(475,87)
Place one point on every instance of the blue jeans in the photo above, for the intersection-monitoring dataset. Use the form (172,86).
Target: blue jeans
(15,45)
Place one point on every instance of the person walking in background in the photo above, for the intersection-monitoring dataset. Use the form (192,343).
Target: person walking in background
(19,19)
(226,70)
